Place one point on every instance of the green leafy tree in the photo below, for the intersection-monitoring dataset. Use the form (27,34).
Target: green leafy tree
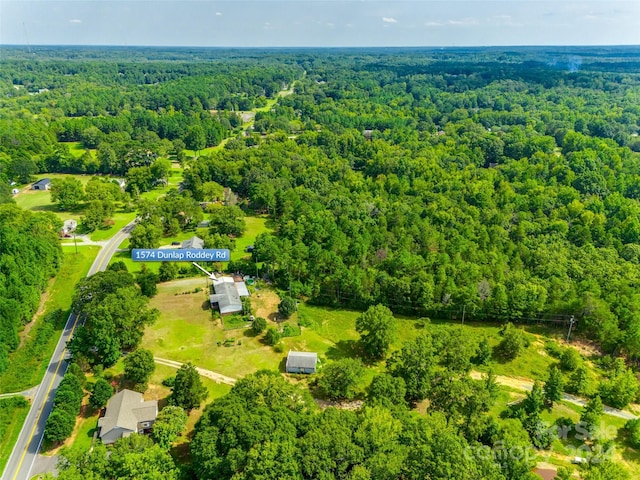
(483,353)
(101,393)
(68,193)
(387,391)
(168,271)
(513,342)
(553,387)
(287,306)
(145,236)
(196,138)
(258,325)
(188,390)
(606,470)
(590,417)
(416,364)
(139,366)
(339,379)
(59,425)
(273,336)
(148,280)
(136,456)
(170,423)
(621,387)
(581,382)
(632,429)
(377,328)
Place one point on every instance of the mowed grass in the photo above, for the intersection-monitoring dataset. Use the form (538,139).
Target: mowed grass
(25,370)
(255,226)
(13,412)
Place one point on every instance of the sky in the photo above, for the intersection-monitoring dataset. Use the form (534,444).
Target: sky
(322,23)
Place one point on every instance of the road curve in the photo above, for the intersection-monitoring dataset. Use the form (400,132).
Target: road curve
(28,444)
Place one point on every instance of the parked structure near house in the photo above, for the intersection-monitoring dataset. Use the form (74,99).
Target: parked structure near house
(15,191)
(69,226)
(44,184)
(301,362)
(193,242)
(227,295)
(127,413)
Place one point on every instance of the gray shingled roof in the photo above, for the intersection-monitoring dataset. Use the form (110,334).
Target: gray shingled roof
(302,359)
(125,410)
(193,242)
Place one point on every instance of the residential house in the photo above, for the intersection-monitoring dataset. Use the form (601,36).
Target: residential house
(193,242)
(127,413)
(227,295)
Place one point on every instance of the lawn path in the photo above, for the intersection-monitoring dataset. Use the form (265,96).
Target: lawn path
(216,377)
(526,384)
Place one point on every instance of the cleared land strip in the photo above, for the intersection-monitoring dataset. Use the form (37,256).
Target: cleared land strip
(526,384)
(217,377)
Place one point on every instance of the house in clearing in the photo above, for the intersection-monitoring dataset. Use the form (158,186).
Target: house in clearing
(227,295)
(44,184)
(193,242)
(127,413)
(301,362)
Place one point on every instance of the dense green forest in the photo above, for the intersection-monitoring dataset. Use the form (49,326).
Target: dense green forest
(504,183)
(29,257)
(498,185)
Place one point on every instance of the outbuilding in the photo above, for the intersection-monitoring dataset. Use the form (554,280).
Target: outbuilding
(44,184)
(301,362)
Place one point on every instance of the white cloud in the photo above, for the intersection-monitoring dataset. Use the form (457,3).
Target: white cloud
(389,20)
(433,24)
(75,20)
(463,22)
(218,14)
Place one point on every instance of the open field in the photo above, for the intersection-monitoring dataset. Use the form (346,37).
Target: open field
(77,150)
(25,368)
(13,411)
(255,226)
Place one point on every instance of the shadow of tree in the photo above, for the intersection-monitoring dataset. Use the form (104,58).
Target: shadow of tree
(343,349)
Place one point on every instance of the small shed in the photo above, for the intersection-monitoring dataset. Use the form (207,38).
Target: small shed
(44,184)
(301,362)
(15,191)
(193,242)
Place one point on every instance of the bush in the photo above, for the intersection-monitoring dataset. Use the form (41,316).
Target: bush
(570,359)
(289,330)
(632,429)
(513,342)
(169,382)
(272,336)
(258,326)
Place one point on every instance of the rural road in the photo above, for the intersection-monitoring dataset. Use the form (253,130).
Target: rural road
(526,384)
(217,377)
(25,452)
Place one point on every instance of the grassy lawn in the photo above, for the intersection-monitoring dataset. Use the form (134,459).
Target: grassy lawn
(26,369)
(13,411)
(77,150)
(255,226)
(120,219)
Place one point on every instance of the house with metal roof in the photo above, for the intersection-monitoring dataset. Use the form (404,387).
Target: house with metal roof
(301,362)
(227,295)
(44,184)
(127,413)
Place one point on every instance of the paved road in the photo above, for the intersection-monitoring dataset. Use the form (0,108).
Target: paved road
(25,451)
